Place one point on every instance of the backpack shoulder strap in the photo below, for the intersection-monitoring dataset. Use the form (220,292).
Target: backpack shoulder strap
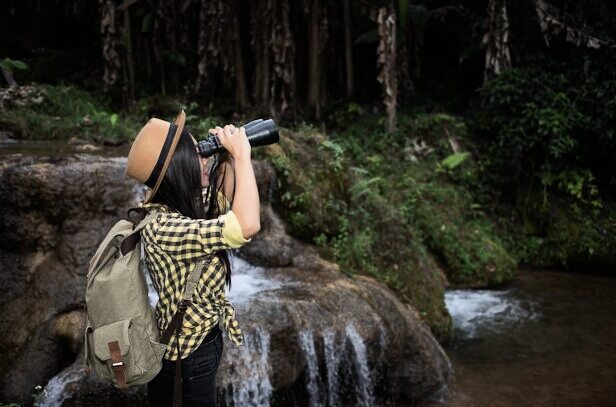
(131,240)
(175,326)
(193,279)
(191,284)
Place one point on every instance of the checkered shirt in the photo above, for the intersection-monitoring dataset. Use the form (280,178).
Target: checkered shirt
(173,245)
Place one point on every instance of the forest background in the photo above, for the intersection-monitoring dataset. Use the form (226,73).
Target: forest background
(477,132)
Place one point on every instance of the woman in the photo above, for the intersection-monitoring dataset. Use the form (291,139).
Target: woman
(190,227)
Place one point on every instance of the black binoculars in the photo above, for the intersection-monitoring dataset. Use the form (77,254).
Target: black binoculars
(259,133)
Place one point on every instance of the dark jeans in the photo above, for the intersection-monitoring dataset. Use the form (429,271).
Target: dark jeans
(198,375)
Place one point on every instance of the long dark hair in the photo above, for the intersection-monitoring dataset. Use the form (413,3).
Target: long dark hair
(181,189)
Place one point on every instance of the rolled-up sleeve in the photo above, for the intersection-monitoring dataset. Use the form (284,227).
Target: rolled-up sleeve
(232,231)
(188,239)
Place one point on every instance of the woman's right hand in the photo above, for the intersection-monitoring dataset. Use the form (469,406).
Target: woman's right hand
(234,140)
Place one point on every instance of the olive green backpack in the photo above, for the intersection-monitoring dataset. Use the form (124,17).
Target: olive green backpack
(121,341)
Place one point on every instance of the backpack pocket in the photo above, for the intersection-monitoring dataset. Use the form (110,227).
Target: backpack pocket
(135,354)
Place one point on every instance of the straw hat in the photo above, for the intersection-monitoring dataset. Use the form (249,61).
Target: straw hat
(152,150)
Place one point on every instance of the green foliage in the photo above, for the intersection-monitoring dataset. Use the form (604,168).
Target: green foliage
(561,235)
(459,233)
(9,64)
(533,126)
(578,184)
(198,124)
(67,111)
(526,122)
(545,142)
(452,161)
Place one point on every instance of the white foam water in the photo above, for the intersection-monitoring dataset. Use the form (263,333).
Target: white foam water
(335,350)
(475,311)
(306,343)
(332,363)
(248,281)
(251,370)
(55,392)
(364,389)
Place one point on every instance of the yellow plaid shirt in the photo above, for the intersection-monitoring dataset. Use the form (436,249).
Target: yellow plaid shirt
(173,245)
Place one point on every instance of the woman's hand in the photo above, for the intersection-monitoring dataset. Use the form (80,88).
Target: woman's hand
(246,205)
(234,140)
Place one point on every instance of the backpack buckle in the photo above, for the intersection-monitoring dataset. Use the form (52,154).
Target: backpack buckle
(117,364)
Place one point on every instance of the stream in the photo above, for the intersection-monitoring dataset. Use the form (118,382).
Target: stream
(547,340)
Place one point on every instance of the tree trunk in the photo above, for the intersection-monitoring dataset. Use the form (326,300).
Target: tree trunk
(241,93)
(348,50)
(552,21)
(156,45)
(109,36)
(201,49)
(282,92)
(129,83)
(386,61)
(314,74)
(260,26)
(496,40)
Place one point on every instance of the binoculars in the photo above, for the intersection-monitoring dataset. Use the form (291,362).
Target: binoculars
(259,133)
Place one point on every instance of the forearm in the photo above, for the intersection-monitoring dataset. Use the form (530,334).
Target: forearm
(246,204)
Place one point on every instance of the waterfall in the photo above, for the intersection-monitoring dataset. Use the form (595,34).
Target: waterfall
(364,383)
(334,352)
(306,343)
(252,370)
(332,362)
(251,364)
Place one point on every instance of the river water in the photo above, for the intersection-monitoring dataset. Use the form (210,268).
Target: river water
(547,340)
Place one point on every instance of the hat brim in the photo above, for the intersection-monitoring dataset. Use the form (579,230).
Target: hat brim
(179,121)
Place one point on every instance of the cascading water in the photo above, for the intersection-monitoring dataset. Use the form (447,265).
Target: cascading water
(251,365)
(364,383)
(332,361)
(335,351)
(58,388)
(477,311)
(313,386)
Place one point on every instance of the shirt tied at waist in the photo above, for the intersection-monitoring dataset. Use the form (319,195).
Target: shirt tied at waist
(226,311)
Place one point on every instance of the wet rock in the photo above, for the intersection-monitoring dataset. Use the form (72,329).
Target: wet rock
(69,328)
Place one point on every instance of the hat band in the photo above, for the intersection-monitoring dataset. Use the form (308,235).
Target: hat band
(151,181)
